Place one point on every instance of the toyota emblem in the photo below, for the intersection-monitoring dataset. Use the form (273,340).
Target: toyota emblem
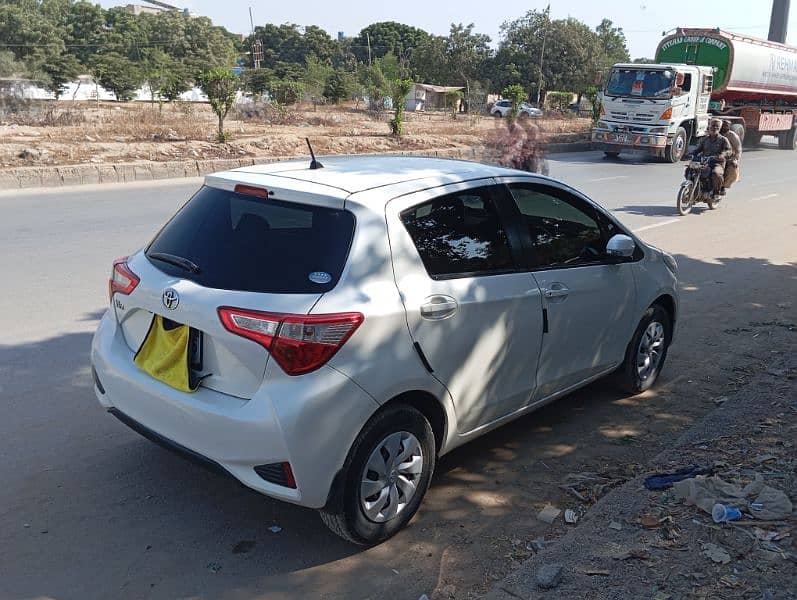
(170,298)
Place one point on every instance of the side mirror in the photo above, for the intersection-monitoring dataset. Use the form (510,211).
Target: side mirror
(621,246)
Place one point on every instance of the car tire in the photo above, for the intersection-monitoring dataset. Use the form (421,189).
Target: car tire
(651,341)
(371,467)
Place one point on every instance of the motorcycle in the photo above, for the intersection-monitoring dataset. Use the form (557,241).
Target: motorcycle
(696,186)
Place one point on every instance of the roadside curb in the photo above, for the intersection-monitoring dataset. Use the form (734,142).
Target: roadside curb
(33,177)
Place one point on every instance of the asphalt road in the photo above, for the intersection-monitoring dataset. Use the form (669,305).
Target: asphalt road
(89,509)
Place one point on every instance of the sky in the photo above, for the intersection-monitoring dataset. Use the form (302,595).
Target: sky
(642,20)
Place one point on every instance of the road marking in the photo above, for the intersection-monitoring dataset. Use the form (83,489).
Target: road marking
(662,224)
(608,178)
(767,197)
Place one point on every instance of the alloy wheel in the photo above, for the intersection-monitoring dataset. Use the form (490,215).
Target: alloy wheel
(651,348)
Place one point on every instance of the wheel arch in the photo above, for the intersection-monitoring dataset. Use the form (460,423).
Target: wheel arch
(667,302)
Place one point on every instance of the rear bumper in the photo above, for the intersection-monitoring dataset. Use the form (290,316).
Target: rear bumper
(309,421)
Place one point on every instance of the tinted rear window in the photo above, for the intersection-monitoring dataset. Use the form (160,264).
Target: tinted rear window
(252,244)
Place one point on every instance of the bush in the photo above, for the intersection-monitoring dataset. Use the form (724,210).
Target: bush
(286,91)
(559,100)
(517,94)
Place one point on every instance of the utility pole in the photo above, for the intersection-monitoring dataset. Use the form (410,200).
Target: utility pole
(778,21)
(368,39)
(542,51)
(251,21)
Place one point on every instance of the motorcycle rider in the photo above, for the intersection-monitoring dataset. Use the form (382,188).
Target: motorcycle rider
(732,164)
(718,148)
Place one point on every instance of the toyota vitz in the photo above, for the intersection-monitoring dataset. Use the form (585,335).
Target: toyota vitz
(324,334)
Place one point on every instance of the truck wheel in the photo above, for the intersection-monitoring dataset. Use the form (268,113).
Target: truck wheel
(738,129)
(752,139)
(787,139)
(677,149)
(611,154)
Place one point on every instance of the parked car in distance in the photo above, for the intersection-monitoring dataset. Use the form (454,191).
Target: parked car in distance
(502,108)
(324,335)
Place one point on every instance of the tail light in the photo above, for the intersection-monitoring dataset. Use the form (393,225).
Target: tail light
(666,115)
(299,343)
(123,280)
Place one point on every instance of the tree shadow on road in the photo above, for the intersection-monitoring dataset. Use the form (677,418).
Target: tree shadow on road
(112,515)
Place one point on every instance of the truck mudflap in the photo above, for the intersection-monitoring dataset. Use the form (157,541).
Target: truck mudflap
(612,141)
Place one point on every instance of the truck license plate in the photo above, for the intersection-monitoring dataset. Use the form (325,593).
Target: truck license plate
(621,138)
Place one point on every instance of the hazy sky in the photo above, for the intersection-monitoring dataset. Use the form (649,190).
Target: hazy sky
(642,20)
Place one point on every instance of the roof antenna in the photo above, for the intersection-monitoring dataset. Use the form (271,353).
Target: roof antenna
(314,164)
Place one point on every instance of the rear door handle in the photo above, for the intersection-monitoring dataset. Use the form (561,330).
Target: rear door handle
(437,308)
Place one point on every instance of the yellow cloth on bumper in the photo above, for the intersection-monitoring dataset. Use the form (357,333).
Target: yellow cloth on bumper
(164,355)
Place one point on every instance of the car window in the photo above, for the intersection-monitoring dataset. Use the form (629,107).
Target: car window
(459,234)
(242,242)
(562,233)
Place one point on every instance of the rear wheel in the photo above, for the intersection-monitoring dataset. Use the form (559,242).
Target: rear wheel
(611,154)
(752,138)
(385,477)
(676,150)
(685,199)
(647,351)
(787,139)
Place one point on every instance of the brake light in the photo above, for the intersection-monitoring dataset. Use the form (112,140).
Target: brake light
(251,190)
(299,343)
(123,280)
(666,115)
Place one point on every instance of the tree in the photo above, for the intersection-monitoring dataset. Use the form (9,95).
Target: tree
(613,44)
(569,61)
(286,91)
(118,74)
(430,60)
(315,76)
(338,86)
(388,37)
(60,70)
(400,89)
(517,95)
(220,86)
(643,60)
(256,81)
(466,53)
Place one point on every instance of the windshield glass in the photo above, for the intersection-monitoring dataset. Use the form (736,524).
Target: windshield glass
(640,82)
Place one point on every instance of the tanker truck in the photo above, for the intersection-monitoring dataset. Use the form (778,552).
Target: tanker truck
(661,108)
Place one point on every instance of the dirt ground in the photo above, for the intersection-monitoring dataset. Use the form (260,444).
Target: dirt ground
(637,543)
(45,133)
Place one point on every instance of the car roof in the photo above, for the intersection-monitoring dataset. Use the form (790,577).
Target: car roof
(342,176)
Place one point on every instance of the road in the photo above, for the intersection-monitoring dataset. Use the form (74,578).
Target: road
(88,509)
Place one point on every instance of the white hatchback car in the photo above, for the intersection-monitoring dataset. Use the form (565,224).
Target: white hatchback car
(503,107)
(342,327)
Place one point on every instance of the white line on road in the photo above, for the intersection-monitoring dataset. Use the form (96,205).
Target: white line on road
(608,178)
(662,224)
(767,197)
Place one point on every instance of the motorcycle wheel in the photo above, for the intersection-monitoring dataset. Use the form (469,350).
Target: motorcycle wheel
(685,199)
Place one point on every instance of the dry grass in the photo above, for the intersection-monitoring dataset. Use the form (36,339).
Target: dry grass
(70,133)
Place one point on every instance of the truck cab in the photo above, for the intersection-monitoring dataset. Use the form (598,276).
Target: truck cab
(655,108)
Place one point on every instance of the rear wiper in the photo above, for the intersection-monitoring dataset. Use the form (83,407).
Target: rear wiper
(178,261)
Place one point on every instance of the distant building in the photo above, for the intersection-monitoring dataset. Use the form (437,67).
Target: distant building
(138,9)
(424,96)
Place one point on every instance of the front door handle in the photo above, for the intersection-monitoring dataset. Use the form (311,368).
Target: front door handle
(437,308)
(557,290)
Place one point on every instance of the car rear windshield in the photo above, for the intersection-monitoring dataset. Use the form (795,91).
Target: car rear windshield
(225,240)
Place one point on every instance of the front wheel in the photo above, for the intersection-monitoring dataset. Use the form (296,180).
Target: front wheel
(385,477)
(611,154)
(685,199)
(677,149)
(647,351)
